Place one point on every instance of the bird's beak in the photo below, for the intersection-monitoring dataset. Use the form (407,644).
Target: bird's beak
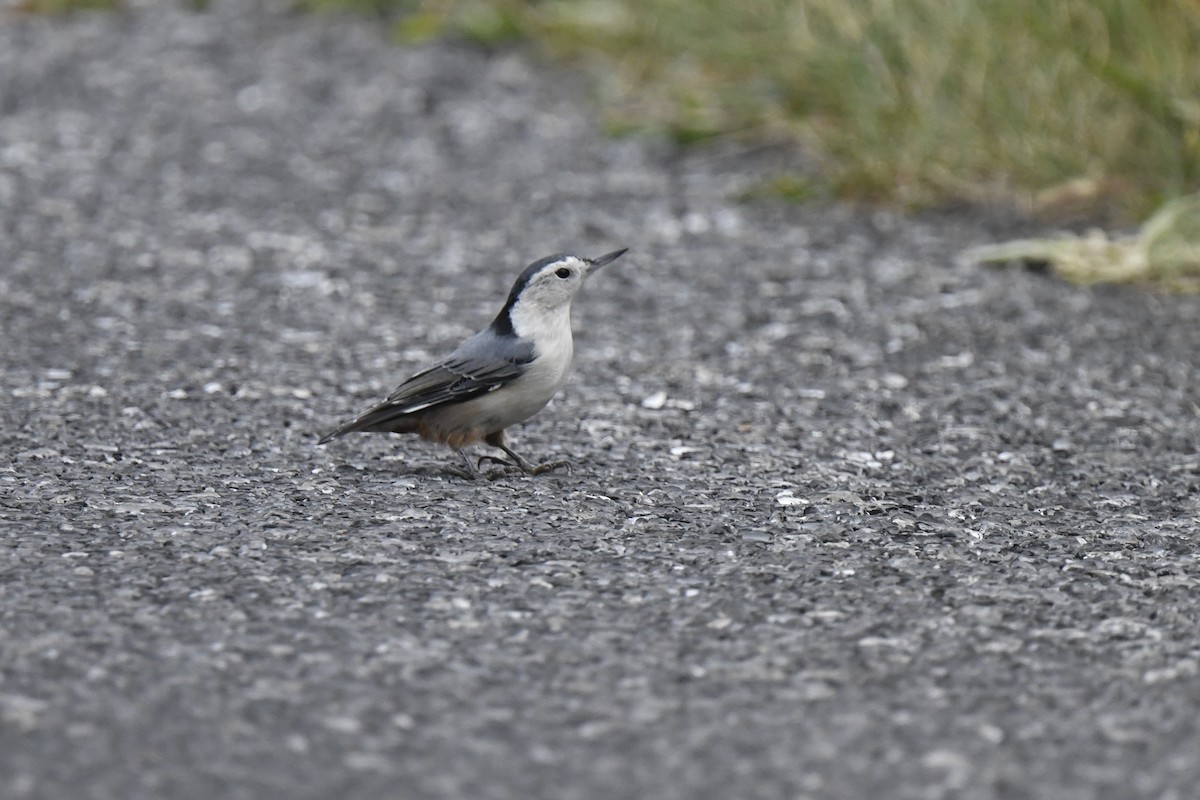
(607,258)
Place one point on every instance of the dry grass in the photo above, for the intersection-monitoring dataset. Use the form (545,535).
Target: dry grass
(1165,253)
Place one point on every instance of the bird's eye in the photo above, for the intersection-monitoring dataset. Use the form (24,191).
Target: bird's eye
(563,272)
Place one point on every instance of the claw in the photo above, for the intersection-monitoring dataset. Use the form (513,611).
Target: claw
(551,465)
(493,459)
(497,474)
(471,472)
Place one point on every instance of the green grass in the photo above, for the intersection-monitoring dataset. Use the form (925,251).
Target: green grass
(1057,106)
(1062,108)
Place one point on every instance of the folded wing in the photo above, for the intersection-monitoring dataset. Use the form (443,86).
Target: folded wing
(483,364)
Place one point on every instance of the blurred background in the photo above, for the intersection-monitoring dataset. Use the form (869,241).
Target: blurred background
(1082,108)
(1060,108)
(1068,112)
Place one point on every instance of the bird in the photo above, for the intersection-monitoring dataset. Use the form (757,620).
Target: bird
(499,377)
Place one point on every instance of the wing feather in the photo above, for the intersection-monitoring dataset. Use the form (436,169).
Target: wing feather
(455,380)
(483,364)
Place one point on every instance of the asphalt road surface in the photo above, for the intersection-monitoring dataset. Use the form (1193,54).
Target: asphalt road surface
(849,518)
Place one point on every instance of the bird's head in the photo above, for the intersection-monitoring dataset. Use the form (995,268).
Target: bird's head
(550,284)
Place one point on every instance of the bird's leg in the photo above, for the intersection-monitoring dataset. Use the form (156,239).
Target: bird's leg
(472,472)
(489,459)
(492,439)
(525,466)
(497,440)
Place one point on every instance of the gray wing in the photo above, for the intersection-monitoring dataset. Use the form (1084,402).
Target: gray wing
(483,364)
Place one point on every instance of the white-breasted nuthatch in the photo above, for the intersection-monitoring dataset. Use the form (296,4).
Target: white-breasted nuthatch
(502,375)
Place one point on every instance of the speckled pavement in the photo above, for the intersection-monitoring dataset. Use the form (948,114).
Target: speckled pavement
(849,518)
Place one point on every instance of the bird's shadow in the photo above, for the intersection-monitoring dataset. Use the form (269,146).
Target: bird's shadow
(449,473)
(397,466)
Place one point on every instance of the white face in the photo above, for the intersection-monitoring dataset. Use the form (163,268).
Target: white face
(556,284)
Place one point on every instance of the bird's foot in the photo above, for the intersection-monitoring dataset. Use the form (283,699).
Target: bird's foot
(471,472)
(503,471)
(550,466)
(521,464)
(494,460)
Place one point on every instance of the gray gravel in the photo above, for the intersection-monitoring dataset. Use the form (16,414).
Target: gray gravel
(849,518)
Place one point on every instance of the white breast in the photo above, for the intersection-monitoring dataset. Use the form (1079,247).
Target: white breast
(528,394)
(552,334)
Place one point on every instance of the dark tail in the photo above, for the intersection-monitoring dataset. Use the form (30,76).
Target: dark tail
(385,418)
